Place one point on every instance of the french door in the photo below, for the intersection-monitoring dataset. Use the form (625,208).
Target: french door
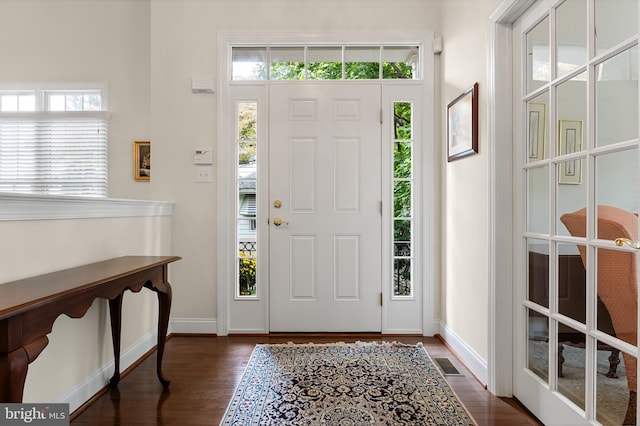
(576,205)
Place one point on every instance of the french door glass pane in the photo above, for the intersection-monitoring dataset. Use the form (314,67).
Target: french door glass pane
(611,170)
(571,24)
(538,271)
(571,192)
(617,98)
(571,364)
(572,282)
(538,69)
(572,114)
(537,128)
(538,344)
(617,280)
(612,390)
(538,200)
(616,21)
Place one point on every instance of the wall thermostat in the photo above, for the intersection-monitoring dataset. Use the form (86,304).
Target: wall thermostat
(203,156)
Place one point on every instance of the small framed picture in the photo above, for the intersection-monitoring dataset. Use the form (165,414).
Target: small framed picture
(570,141)
(537,129)
(142,161)
(462,124)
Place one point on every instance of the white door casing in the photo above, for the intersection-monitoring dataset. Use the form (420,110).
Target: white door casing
(325,178)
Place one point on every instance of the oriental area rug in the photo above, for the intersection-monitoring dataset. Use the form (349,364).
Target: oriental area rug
(359,383)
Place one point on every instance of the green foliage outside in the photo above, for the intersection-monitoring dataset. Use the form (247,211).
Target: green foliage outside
(247,275)
(333,71)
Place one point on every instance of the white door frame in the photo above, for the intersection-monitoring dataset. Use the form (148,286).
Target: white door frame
(226,173)
(501,278)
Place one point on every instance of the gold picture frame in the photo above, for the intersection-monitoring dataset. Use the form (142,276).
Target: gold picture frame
(142,161)
(569,141)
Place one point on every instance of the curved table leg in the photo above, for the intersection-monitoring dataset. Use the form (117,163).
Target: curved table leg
(115,312)
(164,308)
(13,372)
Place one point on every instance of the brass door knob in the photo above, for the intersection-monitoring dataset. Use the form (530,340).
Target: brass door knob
(277,221)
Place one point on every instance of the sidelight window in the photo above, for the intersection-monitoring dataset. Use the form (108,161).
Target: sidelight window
(246,187)
(403,188)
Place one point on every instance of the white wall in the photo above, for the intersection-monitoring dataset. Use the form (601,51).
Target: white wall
(71,41)
(147,51)
(466,186)
(71,366)
(183,43)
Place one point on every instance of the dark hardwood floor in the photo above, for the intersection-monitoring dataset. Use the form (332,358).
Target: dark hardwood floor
(205,370)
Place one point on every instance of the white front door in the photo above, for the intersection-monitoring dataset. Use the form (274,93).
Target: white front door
(324,207)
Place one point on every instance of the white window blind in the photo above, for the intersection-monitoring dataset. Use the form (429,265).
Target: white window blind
(54,153)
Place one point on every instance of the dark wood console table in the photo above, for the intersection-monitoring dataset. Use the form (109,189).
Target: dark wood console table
(29,307)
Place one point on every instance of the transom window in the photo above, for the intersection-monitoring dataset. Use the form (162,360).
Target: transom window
(325,62)
(54,142)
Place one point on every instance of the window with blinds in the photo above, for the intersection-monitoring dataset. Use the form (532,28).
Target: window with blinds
(53,142)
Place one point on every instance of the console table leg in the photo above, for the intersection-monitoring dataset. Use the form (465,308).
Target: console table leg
(115,312)
(164,308)
(13,372)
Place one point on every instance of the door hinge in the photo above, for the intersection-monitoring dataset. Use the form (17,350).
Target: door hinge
(381,115)
(380,208)
(380,298)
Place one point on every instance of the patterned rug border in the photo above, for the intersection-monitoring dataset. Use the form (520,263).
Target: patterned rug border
(418,345)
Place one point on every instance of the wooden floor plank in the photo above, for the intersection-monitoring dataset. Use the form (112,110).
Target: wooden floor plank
(204,372)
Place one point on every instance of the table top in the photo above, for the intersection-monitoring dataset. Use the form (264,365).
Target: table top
(21,295)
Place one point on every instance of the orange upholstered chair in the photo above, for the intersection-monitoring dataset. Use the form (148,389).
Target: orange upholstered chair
(617,280)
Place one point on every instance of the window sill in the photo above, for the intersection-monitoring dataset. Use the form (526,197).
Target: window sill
(21,207)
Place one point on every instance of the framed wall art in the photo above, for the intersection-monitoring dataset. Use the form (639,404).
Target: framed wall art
(570,141)
(142,161)
(537,122)
(462,124)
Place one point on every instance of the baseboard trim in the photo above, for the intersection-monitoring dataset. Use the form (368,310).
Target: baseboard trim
(470,357)
(193,326)
(77,396)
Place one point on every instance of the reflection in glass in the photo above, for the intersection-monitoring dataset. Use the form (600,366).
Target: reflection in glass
(572,111)
(571,365)
(617,98)
(616,179)
(538,70)
(287,63)
(612,390)
(538,349)
(616,280)
(538,200)
(537,128)
(571,22)
(538,271)
(571,282)
(570,197)
(616,21)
